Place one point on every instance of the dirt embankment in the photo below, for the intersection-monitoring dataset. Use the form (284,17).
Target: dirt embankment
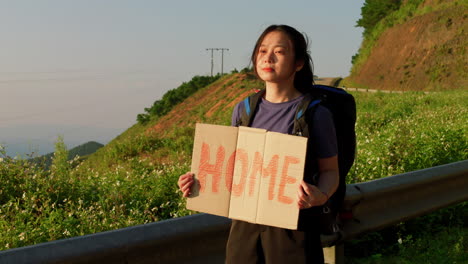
(426,53)
(208,103)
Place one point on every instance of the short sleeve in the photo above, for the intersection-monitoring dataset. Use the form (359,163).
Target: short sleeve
(236,113)
(323,134)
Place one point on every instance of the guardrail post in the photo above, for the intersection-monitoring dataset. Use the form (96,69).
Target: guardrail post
(334,255)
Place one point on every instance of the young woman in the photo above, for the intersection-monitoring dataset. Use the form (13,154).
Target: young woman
(281,60)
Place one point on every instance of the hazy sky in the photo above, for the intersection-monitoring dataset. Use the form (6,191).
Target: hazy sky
(84,69)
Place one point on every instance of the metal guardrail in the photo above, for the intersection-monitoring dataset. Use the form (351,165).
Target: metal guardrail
(369,90)
(201,238)
(198,238)
(390,200)
(351,89)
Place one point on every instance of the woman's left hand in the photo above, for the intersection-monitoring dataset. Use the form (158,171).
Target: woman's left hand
(309,195)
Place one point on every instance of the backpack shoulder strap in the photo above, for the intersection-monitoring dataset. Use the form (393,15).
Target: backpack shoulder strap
(250,105)
(303,112)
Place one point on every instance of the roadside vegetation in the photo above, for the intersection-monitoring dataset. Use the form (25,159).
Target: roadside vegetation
(398,133)
(134,181)
(434,246)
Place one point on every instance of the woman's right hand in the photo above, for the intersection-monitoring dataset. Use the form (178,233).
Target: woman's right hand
(185,183)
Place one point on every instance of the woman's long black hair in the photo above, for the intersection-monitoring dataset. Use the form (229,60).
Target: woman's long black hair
(304,78)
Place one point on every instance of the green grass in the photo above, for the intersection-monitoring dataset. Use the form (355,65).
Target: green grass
(412,241)
(398,133)
(448,246)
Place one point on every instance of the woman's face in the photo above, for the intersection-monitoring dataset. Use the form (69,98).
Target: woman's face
(276,59)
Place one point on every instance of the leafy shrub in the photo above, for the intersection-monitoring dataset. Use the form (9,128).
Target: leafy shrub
(374,11)
(246,70)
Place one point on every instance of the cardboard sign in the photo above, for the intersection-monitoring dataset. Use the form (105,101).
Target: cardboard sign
(247,174)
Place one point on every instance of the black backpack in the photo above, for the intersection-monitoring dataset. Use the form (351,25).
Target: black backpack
(343,108)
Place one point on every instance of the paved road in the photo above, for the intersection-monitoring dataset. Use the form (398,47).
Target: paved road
(327,80)
(332,81)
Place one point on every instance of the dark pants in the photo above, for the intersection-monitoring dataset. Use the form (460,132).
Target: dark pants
(253,243)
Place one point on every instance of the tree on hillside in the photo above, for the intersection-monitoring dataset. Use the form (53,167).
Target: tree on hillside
(60,166)
(375,10)
(175,96)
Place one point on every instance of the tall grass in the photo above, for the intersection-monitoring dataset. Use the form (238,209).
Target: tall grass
(398,133)
(445,246)
(38,206)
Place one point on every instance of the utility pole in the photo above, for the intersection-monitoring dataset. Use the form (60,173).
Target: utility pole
(222,58)
(211,60)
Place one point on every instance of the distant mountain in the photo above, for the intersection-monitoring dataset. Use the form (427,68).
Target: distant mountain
(84,149)
(81,151)
(34,140)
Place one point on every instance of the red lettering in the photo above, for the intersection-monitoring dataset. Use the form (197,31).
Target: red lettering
(241,155)
(206,168)
(285,179)
(271,171)
(256,168)
(230,170)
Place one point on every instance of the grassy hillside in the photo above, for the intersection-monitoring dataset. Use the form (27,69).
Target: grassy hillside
(419,46)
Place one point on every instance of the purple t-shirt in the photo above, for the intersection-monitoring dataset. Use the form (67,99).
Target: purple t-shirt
(279,117)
